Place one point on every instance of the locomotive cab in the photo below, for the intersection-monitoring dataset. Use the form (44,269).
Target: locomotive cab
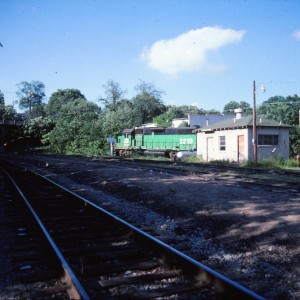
(125,141)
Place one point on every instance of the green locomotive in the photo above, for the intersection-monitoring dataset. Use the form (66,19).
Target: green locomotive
(156,141)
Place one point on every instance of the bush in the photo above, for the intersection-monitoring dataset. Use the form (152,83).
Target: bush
(222,162)
(292,163)
(193,159)
(272,163)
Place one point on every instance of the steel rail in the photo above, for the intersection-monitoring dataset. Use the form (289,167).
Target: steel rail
(76,291)
(220,282)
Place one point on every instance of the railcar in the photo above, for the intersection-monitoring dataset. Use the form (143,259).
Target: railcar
(156,141)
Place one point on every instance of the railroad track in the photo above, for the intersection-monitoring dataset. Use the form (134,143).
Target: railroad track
(100,256)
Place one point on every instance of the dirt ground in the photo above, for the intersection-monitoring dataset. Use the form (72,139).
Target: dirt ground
(244,226)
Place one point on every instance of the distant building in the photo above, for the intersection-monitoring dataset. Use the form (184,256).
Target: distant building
(205,120)
(179,121)
(231,139)
(148,125)
(199,120)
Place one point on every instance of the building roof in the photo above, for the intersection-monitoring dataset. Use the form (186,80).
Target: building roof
(203,120)
(128,130)
(243,122)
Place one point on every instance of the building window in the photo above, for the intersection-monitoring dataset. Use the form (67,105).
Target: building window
(267,140)
(222,143)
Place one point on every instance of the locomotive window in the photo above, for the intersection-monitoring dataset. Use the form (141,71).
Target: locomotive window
(158,131)
(139,131)
(222,143)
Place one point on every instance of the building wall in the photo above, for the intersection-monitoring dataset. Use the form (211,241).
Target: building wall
(209,149)
(282,149)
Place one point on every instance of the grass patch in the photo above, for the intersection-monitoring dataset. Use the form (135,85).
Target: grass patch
(193,159)
(272,163)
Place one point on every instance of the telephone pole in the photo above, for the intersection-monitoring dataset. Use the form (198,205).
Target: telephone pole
(254,141)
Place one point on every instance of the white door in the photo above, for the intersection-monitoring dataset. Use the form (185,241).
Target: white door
(209,149)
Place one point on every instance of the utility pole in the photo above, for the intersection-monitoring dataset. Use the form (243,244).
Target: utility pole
(254,141)
(29,95)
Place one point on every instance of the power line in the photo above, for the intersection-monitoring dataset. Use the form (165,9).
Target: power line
(281,82)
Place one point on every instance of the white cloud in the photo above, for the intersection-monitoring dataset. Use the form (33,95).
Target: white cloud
(296,35)
(188,52)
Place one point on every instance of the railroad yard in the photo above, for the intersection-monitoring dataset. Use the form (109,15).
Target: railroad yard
(243,224)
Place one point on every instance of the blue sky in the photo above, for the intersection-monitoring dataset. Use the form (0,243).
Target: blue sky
(203,52)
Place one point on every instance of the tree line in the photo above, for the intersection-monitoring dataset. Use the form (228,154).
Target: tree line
(69,123)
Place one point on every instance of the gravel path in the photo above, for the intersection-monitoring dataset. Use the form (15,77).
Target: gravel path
(245,231)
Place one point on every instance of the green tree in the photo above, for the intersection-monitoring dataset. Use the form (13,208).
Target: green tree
(113,93)
(281,109)
(2,101)
(210,112)
(37,128)
(38,111)
(2,105)
(183,110)
(294,103)
(114,121)
(165,119)
(77,130)
(232,105)
(147,104)
(60,98)
(30,95)
(269,107)
(295,140)
(7,112)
